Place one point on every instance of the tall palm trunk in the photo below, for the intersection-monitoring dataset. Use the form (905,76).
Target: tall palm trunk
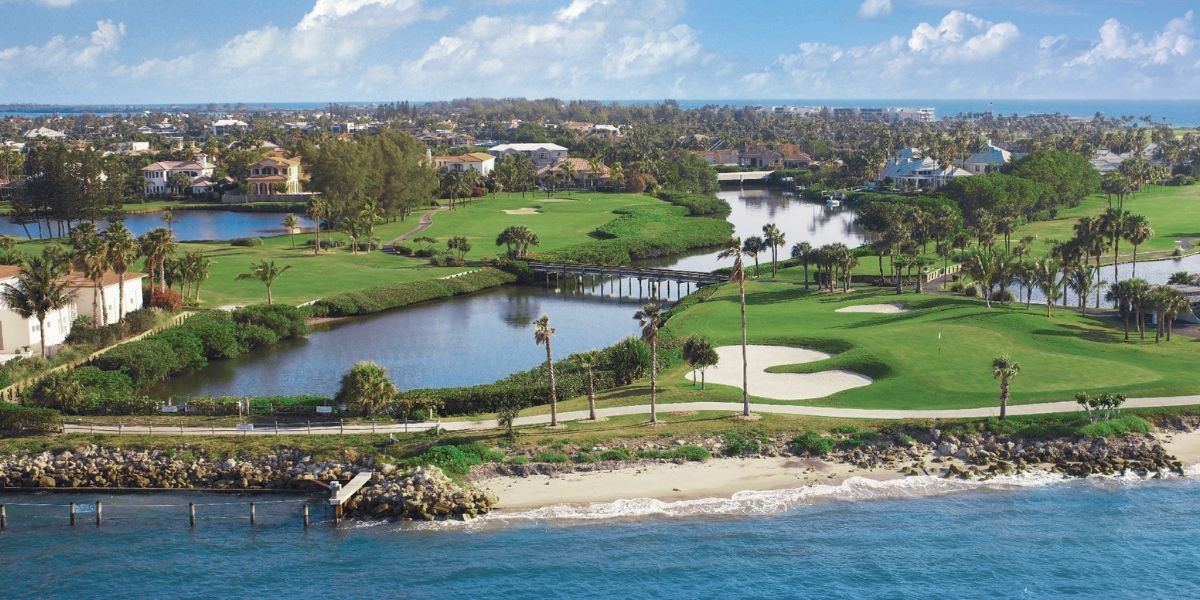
(591,395)
(553,391)
(96,305)
(268,294)
(653,381)
(745,362)
(103,306)
(42,333)
(120,297)
(1134,273)
(1003,398)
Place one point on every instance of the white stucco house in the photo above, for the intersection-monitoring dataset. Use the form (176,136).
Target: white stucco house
(541,155)
(910,168)
(45,133)
(222,127)
(23,336)
(157,176)
(482,162)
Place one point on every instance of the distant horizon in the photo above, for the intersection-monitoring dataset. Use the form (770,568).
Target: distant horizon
(742,99)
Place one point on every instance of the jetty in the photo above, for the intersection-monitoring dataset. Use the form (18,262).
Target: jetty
(339,494)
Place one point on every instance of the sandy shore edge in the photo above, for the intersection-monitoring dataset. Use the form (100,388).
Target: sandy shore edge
(718,478)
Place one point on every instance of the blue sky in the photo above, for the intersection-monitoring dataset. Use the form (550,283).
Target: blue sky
(132,51)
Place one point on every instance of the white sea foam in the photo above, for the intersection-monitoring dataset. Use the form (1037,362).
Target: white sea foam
(771,502)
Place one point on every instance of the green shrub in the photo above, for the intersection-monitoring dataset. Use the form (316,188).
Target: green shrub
(361,302)
(551,456)
(812,444)
(27,419)
(189,351)
(519,460)
(142,319)
(217,331)
(1118,426)
(737,444)
(845,429)
(587,457)
(255,336)
(614,454)
(691,453)
(284,320)
(145,361)
(245,242)
(706,205)
(458,460)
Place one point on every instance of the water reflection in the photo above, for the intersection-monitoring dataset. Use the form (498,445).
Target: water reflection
(190,225)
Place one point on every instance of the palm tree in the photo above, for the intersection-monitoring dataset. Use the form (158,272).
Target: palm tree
(752,247)
(1046,276)
(291,223)
(543,334)
(367,387)
(738,274)
(1113,224)
(318,208)
(91,259)
(1139,297)
(1120,294)
(1137,231)
(589,361)
(1004,369)
(266,272)
(803,252)
(774,239)
(122,250)
(197,267)
(699,354)
(156,245)
(168,218)
(39,291)
(651,318)
(1082,281)
(981,266)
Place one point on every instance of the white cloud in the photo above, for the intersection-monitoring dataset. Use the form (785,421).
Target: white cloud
(574,50)
(1117,43)
(62,55)
(871,9)
(45,3)
(951,39)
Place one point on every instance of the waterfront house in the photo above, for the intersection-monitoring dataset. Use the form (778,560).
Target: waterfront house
(911,169)
(795,159)
(82,292)
(481,162)
(541,155)
(759,157)
(723,156)
(274,174)
(157,176)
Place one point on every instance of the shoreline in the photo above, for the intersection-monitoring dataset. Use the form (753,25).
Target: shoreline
(724,479)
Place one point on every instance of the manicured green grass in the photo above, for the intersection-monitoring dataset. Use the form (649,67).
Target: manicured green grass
(1173,212)
(1060,355)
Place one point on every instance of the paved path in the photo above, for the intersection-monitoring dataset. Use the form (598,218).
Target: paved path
(424,223)
(577,415)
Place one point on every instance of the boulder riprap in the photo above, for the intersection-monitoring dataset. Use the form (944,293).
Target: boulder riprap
(422,494)
(426,494)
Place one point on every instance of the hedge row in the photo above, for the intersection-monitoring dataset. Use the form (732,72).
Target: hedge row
(25,419)
(372,300)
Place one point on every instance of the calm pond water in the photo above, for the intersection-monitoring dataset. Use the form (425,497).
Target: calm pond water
(192,225)
(800,221)
(460,341)
(1154,272)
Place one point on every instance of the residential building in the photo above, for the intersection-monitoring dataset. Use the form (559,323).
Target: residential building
(759,157)
(482,162)
(581,171)
(83,291)
(724,156)
(131,147)
(911,169)
(158,175)
(223,127)
(273,172)
(45,133)
(794,159)
(989,159)
(541,155)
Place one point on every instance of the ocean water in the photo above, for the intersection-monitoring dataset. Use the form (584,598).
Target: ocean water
(1033,537)
(1180,113)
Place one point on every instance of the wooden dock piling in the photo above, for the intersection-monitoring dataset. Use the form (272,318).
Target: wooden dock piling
(3,518)
(192,514)
(306,516)
(252,514)
(99,514)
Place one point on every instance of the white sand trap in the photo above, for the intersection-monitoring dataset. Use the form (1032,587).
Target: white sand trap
(523,211)
(558,200)
(780,386)
(885,309)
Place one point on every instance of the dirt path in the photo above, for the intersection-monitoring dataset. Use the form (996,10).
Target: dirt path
(424,223)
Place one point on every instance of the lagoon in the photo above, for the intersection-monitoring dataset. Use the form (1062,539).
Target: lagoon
(190,225)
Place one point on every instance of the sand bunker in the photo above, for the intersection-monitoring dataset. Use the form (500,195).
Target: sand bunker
(886,309)
(780,386)
(523,211)
(557,200)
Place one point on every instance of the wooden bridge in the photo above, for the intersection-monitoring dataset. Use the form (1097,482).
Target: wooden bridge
(616,276)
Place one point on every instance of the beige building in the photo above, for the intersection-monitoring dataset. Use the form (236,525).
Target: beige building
(274,170)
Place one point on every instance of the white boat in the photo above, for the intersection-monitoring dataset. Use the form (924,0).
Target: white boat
(832,202)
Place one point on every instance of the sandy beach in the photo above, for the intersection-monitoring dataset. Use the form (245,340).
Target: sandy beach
(717,478)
